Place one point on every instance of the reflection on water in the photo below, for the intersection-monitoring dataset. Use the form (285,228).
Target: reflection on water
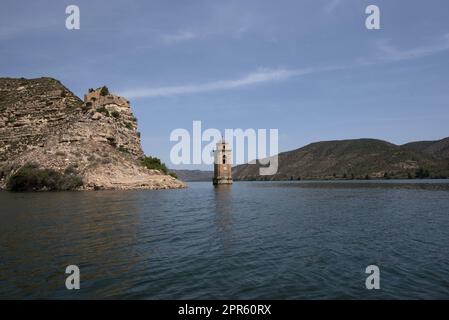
(248,240)
(223,210)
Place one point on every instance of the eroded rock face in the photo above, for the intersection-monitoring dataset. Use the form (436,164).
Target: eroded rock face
(42,122)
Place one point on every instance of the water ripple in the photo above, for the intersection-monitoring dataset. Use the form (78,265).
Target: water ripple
(310,240)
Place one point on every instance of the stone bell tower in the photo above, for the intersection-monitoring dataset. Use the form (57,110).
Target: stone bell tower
(222,164)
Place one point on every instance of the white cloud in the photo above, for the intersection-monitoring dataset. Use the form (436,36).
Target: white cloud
(179,36)
(389,52)
(386,53)
(260,76)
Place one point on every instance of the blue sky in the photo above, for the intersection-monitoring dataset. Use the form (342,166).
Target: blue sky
(308,68)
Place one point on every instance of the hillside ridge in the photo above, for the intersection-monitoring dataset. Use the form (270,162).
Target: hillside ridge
(355,159)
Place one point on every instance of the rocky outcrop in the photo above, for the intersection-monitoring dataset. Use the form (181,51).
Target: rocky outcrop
(44,123)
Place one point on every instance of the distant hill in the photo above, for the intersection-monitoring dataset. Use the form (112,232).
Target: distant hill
(438,149)
(194,175)
(356,159)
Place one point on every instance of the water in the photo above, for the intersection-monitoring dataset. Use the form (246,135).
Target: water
(254,240)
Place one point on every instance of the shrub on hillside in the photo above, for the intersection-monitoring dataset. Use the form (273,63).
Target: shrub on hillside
(115,114)
(123,149)
(174,175)
(31,178)
(104,91)
(104,111)
(154,164)
(422,174)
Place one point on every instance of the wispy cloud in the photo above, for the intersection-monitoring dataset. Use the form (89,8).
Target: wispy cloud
(332,5)
(180,36)
(386,53)
(260,76)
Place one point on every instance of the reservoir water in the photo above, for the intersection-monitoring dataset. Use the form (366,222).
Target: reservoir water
(251,240)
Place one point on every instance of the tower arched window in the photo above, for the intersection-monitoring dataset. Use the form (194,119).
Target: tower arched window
(224,159)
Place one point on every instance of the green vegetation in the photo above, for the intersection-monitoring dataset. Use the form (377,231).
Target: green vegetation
(11,119)
(174,175)
(104,111)
(154,163)
(123,149)
(104,91)
(422,174)
(31,178)
(115,114)
(128,125)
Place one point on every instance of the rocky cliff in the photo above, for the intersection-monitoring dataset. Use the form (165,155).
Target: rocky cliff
(45,124)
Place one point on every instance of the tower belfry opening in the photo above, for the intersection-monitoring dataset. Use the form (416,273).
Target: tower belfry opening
(222,163)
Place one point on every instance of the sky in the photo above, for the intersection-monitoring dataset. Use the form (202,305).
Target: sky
(310,68)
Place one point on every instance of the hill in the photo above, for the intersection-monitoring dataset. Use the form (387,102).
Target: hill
(50,139)
(438,149)
(350,159)
(194,175)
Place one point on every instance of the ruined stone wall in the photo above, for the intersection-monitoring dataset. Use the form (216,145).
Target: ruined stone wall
(97,99)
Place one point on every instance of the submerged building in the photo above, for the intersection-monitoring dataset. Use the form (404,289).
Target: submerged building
(222,164)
